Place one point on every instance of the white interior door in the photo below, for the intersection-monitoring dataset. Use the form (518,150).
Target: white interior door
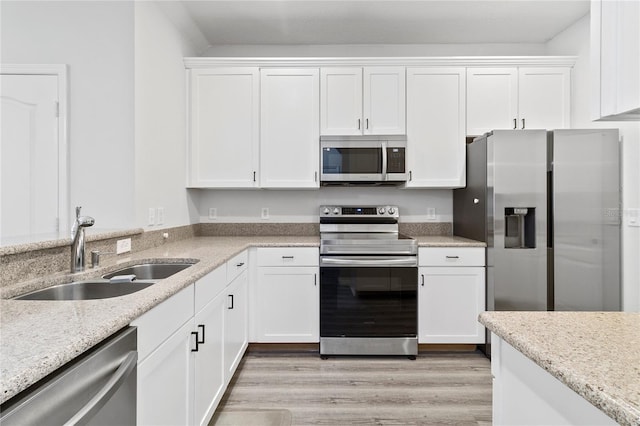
(29,155)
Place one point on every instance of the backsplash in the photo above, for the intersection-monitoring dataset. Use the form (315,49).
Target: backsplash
(33,261)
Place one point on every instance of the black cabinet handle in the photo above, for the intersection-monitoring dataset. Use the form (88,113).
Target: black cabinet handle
(287,257)
(422,276)
(515,123)
(315,279)
(523,124)
(231,307)
(196,334)
(238,265)
(201,326)
(453,257)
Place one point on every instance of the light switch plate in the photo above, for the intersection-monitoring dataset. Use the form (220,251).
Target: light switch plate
(160,216)
(152,216)
(123,246)
(431,213)
(265,213)
(213,213)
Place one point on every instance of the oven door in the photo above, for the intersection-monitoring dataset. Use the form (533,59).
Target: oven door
(368,296)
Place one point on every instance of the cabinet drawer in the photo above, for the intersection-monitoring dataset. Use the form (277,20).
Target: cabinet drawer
(236,265)
(208,287)
(288,256)
(156,325)
(451,256)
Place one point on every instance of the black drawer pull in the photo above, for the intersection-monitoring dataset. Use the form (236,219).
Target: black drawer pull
(201,326)
(196,334)
(287,257)
(239,264)
(453,257)
(231,306)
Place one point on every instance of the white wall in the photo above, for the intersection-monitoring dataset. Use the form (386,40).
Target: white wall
(334,50)
(575,40)
(302,205)
(95,40)
(162,40)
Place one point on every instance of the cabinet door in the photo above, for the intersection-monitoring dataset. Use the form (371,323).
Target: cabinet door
(341,101)
(436,127)
(289,128)
(165,381)
(384,101)
(450,300)
(209,382)
(235,323)
(492,99)
(544,95)
(224,127)
(288,311)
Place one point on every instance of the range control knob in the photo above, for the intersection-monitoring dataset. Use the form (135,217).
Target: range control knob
(391,210)
(326,210)
(381,210)
(336,210)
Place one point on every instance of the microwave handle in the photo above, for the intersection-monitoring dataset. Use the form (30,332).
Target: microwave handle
(384,161)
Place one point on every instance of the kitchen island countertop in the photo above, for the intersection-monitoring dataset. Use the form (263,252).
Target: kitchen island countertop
(596,354)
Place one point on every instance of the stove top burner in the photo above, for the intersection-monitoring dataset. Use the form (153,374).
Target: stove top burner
(363,230)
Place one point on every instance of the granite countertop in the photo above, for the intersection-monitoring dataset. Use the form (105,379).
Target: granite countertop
(447,241)
(37,337)
(596,354)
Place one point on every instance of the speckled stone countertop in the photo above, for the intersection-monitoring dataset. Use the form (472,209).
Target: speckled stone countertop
(596,354)
(447,241)
(37,337)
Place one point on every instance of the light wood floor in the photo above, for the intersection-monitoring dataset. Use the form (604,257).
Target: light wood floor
(436,388)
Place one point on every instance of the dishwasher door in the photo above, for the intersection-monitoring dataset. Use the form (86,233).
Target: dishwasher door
(98,388)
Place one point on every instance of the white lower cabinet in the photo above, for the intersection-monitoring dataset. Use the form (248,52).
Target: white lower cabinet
(164,382)
(287,296)
(235,324)
(209,380)
(451,295)
(189,347)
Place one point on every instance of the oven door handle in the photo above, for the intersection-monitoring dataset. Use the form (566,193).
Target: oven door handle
(377,262)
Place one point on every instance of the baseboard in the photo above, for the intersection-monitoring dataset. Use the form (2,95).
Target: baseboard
(284,347)
(447,347)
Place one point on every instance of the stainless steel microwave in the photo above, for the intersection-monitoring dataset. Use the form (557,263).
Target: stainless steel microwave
(362,160)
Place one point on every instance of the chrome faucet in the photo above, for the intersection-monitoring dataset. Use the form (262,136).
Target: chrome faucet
(77,237)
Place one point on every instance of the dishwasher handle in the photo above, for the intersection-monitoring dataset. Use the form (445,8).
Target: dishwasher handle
(100,399)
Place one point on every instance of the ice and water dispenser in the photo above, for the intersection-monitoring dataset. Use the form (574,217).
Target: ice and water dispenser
(520,227)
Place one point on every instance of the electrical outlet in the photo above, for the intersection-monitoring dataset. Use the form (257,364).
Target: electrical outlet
(633,217)
(431,213)
(160,216)
(213,213)
(123,246)
(152,216)
(265,213)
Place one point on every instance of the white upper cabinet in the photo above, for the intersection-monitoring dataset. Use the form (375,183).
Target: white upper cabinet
(544,96)
(517,98)
(615,60)
(341,101)
(224,127)
(436,127)
(363,101)
(289,128)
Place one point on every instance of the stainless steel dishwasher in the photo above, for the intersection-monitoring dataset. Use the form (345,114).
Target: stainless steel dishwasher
(97,388)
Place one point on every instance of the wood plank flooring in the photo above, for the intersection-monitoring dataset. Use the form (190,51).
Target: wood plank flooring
(436,388)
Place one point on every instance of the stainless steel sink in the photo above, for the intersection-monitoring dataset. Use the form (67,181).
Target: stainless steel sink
(86,290)
(150,271)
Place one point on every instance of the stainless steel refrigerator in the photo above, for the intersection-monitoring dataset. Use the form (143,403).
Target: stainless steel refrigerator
(547,205)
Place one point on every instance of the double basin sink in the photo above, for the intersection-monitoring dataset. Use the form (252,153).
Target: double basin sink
(118,283)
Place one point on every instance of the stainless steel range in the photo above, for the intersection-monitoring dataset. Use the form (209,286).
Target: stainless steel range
(368,283)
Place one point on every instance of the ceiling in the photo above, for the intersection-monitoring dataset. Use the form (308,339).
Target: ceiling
(225,22)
